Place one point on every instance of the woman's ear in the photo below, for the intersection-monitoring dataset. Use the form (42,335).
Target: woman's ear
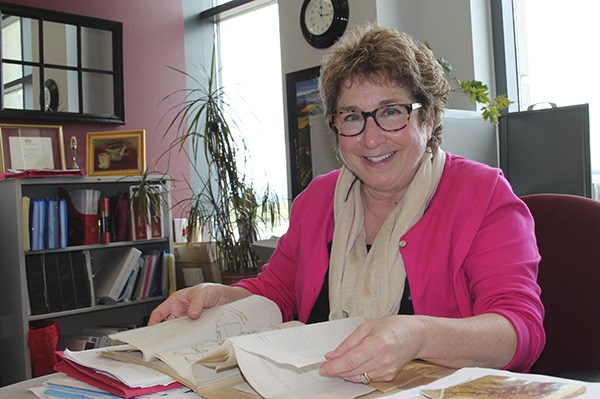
(428,124)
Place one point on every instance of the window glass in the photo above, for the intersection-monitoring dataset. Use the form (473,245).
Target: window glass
(250,56)
(558,60)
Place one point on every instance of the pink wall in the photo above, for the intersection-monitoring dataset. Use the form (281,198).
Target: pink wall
(153,39)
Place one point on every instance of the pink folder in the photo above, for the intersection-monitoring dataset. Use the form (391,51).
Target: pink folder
(105,382)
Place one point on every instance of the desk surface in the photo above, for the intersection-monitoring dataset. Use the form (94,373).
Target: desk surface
(21,390)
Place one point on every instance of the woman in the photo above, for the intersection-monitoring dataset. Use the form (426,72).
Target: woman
(433,249)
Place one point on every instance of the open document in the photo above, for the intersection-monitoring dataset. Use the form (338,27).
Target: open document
(244,340)
(174,346)
(285,363)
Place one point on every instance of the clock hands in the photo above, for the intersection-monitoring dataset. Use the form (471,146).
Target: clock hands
(320,11)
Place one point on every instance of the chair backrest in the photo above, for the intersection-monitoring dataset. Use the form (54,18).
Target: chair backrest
(567,228)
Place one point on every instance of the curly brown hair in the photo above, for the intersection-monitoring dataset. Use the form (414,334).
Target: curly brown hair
(385,55)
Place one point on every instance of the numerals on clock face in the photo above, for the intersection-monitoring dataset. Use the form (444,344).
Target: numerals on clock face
(319,16)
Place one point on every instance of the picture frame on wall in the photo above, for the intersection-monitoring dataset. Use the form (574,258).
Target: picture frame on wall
(31,147)
(113,153)
(302,104)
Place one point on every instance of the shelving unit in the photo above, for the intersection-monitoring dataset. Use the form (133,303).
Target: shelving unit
(15,364)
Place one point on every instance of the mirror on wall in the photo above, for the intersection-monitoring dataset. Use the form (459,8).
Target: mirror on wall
(60,67)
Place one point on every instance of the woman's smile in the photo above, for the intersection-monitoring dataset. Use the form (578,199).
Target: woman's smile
(381,158)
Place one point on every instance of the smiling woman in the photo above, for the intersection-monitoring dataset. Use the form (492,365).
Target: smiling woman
(434,250)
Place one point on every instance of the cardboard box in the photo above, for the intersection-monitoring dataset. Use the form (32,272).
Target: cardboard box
(196,255)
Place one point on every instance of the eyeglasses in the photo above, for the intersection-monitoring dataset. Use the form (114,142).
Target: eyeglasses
(390,117)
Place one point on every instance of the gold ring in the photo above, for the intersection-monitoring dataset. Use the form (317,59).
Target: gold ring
(364,378)
(169,317)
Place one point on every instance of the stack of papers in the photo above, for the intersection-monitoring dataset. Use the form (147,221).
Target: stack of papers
(68,387)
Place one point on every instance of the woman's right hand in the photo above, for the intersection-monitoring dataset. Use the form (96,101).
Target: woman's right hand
(192,301)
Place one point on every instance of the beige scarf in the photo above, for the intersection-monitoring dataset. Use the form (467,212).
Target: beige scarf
(371,283)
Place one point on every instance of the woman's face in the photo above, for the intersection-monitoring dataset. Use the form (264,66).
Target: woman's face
(384,161)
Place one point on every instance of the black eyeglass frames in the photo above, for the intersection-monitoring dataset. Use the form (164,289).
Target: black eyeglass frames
(389,117)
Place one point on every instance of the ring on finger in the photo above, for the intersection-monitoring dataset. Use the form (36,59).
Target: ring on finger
(364,378)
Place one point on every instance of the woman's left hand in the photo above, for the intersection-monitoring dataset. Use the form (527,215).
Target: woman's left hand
(380,348)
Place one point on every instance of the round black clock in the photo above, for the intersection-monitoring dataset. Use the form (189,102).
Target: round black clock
(323,21)
(50,95)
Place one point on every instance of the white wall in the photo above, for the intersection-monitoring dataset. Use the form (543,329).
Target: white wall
(457,30)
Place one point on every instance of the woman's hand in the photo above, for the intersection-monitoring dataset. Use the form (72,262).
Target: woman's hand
(380,348)
(192,301)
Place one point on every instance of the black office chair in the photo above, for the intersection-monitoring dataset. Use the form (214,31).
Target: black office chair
(567,228)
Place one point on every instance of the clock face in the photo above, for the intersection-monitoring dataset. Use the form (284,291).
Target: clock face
(323,21)
(50,95)
(318,16)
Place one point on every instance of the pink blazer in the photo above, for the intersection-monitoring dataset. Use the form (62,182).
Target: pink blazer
(474,251)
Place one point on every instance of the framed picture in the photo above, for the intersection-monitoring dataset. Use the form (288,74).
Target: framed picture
(120,152)
(27,147)
(302,104)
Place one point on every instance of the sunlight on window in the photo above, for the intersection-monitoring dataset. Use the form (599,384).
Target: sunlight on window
(251,77)
(558,59)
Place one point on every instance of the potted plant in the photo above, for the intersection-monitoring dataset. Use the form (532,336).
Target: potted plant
(225,203)
(477,91)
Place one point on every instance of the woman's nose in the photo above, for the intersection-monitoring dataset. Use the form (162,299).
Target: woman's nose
(372,134)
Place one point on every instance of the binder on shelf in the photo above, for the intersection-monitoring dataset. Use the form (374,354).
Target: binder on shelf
(82,216)
(66,280)
(38,223)
(155,288)
(82,278)
(168,285)
(63,232)
(112,269)
(36,285)
(51,230)
(153,277)
(52,283)
(149,264)
(25,210)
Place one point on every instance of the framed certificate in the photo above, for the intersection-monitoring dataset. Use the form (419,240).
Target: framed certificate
(31,147)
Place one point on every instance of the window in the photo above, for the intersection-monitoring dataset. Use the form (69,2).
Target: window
(250,56)
(556,60)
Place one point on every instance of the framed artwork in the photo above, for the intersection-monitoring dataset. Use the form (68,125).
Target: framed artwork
(302,104)
(120,152)
(31,147)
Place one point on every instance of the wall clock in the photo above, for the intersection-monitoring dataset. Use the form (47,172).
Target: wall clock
(50,95)
(323,21)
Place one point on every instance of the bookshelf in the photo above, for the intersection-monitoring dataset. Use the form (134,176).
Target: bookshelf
(15,311)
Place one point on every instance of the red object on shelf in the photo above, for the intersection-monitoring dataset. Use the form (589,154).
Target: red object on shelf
(104,210)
